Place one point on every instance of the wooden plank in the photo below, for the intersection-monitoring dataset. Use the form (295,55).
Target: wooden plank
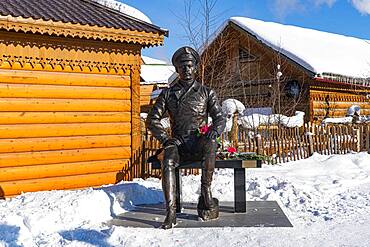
(300,145)
(62,105)
(283,149)
(275,150)
(146,89)
(62,78)
(63,156)
(336,140)
(357,142)
(58,183)
(347,139)
(322,140)
(135,113)
(367,136)
(341,141)
(72,129)
(62,143)
(279,151)
(293,143)
(63,117)
(63,92)
(61,169)
(339,105)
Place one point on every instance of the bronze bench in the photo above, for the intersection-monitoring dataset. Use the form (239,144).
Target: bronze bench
(239,167)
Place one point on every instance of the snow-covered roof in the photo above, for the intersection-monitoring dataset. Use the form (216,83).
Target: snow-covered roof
(155,71)
(150,60)
(317,51)
(124,8)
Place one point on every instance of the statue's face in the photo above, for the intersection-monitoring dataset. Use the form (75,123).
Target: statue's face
(186,70)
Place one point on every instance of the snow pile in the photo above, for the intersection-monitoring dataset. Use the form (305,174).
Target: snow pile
(353,115)
(317,51)
(42,217)
(143,116)
(231,106)
(346,120)
(256,120)
(164,121)
(125,9)
(49,212)
(354,109)
(337,120)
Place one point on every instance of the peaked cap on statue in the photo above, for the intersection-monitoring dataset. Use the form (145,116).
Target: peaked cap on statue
(185,53)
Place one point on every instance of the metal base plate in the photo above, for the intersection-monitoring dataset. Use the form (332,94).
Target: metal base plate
(259,214)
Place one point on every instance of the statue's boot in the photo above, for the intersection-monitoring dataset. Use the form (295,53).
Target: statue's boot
(169,190)
(208,206)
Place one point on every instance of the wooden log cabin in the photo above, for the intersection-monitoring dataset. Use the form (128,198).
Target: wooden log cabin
(155,75)
(288,68)
(69,93)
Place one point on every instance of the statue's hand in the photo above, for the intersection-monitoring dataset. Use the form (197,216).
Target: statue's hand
(172,142)
(212,134)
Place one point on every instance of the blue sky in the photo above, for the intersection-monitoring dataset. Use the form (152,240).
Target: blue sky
(347,17)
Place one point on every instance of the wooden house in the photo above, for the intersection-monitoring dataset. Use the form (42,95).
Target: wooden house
(69,93)
(155,75)
(288,68)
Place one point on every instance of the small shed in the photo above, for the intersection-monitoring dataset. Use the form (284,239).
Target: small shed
(288,68)
(155,75)
(69,93)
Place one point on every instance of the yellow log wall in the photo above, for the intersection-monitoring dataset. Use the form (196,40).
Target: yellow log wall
(53,134)
(145,93)
(66,115)
(336,104)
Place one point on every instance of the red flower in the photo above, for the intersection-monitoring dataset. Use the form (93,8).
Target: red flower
(231,150)
(203,130)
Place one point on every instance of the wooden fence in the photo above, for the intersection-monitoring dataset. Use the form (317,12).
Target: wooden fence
(279,144)
(290,144)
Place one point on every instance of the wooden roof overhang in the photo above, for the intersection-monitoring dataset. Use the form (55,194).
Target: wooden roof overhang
(338,86)
(59,28)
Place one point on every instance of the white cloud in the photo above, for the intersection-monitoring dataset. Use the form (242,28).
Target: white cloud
(362,5)
(282,8)
(327,2)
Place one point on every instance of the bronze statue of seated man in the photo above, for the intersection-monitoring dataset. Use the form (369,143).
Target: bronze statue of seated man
(188,104)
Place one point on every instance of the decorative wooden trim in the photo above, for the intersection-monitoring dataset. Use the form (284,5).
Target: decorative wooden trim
(339,87)
(337,97)
(59,28)
(32,77)
(32,52)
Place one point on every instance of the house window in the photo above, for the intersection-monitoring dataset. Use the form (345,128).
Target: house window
(246,56)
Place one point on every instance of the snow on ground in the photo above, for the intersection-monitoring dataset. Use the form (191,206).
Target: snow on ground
(327,199)
(255,120)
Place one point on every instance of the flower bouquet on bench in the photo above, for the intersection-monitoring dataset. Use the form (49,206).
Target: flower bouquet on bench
(231,153)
